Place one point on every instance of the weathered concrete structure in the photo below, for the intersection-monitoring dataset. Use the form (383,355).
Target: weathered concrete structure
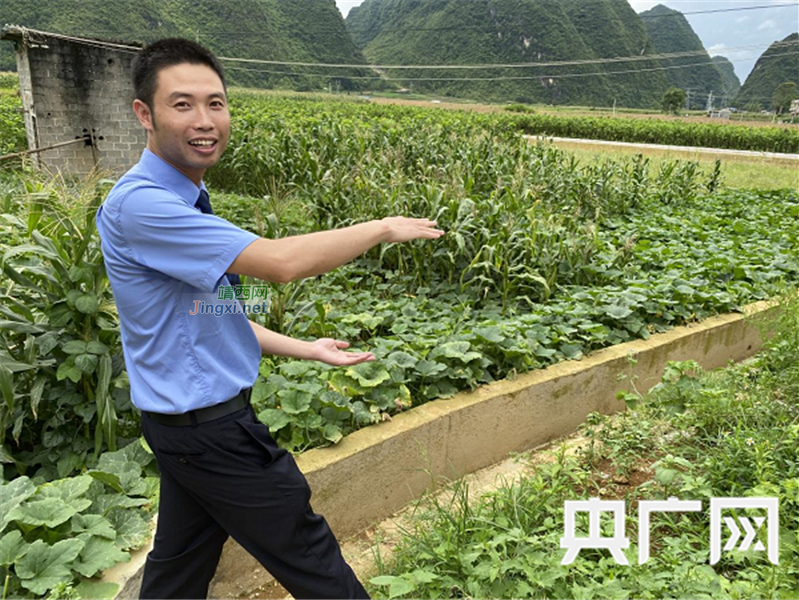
(77,89)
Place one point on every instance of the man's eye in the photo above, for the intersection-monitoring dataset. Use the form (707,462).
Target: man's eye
(182,105)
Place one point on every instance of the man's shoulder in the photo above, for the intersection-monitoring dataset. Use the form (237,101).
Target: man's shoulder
(134,189)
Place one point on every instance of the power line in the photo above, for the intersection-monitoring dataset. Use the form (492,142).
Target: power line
(589,61)
(720,10)
(498,78)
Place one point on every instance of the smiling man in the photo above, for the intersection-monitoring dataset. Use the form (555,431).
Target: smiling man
(191,374)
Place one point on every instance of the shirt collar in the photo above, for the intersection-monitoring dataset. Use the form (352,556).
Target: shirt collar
(170,177)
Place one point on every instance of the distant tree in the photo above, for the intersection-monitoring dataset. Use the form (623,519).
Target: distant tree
(673,100)
(753,107)
(781,99)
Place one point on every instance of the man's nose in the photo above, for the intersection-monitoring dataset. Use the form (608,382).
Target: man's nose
(204,120)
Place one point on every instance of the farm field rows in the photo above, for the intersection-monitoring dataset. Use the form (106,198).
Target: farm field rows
(545,259)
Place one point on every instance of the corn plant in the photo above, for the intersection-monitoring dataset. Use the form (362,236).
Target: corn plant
(60,358)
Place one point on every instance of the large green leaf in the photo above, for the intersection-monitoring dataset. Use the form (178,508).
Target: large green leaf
(618,311)
(136,451)
(87,363)
(458,350)
(106,503)
(68,370)
(87,304)
(71,490)
(44,567)
(126,479)
(95,525)
(98,348)
(74,347)
(12,548)
(401,359)
(49,512)
(489,334)
(275,418)
(132,530)
(98,555)
(12,494)
(426,368)
(97,590)
(296,368)
(294,401)
(369,374)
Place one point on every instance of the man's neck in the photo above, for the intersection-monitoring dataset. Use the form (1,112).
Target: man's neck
(195,175)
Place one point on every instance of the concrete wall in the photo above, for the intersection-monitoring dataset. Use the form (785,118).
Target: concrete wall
(73,88)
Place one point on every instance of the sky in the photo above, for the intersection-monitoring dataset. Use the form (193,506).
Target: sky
(721,33)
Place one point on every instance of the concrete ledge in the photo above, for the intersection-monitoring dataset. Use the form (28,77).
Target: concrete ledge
(373,472)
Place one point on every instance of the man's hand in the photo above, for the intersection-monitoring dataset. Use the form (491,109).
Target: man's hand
(404,229)
(328,350)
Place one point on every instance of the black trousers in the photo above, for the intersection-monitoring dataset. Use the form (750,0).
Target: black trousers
(228,477)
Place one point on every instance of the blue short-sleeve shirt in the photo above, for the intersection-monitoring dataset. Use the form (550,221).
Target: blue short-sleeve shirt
(163,256)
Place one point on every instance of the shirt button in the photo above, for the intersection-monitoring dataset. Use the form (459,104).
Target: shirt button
(184,461)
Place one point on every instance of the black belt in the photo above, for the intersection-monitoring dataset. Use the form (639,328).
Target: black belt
(203,415)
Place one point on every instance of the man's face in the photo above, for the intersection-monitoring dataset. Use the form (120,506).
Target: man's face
(188,124)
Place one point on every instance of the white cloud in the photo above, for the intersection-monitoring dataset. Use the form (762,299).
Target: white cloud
(742,19)
(767,24)
(734,54)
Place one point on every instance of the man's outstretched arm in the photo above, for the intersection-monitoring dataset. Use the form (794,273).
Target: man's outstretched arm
(300,256)
(326,350)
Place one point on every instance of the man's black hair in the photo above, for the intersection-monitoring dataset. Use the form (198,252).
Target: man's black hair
(167,53)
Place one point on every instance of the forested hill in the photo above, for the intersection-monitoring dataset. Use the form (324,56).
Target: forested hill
(611,28)
(671,33)
(777,65)
(309,30)
(512,32)
(729,80)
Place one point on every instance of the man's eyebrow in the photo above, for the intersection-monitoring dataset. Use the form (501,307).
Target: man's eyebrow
(176,95)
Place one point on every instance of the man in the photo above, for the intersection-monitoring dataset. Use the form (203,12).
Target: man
(221,472)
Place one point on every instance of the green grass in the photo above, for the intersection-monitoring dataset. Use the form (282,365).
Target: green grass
(726,434)
(738,172)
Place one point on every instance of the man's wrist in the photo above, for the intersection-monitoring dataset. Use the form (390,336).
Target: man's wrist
(383,231)
(310,351)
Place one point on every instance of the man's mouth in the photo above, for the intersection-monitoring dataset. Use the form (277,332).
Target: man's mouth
(203,144)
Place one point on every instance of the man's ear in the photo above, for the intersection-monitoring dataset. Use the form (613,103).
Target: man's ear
(144,114)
